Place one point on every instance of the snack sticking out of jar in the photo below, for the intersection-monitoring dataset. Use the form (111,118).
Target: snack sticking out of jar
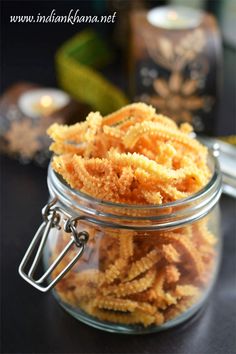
(145,192)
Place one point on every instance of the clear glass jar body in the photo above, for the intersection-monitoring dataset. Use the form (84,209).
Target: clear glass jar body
(144,268)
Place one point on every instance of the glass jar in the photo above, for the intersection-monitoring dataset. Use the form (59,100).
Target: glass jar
(128,268)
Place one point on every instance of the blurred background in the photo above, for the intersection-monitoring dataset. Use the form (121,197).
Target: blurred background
(187,72)
(182,62)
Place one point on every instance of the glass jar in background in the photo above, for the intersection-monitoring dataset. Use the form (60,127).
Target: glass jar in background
(136,268)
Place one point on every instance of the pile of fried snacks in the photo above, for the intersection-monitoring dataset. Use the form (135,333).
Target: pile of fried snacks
(134,156)
(130,278)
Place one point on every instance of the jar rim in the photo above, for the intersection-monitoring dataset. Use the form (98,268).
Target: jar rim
(142,216)
(215,179)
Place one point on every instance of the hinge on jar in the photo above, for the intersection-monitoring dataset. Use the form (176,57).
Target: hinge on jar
(52,220)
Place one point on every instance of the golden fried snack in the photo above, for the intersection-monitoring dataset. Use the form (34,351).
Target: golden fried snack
(170,253)
(136,317)
(131,156)
(127,285)
(143,264)
(172,274)
(138,111)
(126,245)
(114,271)
(135,286)
(116,304)
(135,156)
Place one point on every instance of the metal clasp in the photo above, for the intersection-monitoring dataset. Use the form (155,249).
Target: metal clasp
(52,220)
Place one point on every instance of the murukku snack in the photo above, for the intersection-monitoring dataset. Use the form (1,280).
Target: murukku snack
(105,156)
(172,274)
(135,156)
(126,245)
(114,271)
(142,265)
(136,317)
(132,287)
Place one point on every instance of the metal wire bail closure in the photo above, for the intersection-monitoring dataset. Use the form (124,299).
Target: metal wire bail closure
(52,220)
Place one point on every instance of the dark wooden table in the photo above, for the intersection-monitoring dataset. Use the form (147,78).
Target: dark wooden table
(34,323)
